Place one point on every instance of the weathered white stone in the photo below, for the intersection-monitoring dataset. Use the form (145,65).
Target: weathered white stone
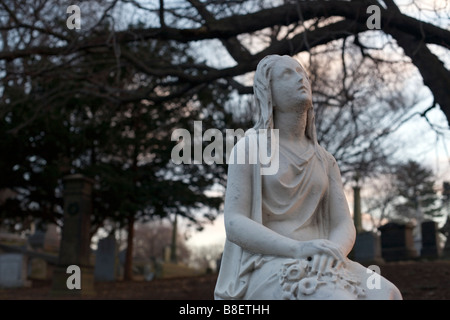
(289,233)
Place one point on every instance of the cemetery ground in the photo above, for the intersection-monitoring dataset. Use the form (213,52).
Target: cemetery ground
(417,280)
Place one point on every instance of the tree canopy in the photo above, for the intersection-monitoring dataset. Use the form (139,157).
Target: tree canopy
(38,29)
(415,185)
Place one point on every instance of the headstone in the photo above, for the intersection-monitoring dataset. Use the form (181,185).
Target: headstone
(37,269)
(430,240)
(367,248)
(445,230)
(397,242)
(13,270)
(37,239)
(75,239)
(122,258)
(51,238)
(167,253)
(106,260)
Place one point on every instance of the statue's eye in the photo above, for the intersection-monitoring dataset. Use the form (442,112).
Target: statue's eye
(287,72)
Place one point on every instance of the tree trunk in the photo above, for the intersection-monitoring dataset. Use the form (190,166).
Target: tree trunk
(435,76)
(173,247)
(128,269)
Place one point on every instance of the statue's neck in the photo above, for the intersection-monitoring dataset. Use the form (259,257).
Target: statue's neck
(291,125)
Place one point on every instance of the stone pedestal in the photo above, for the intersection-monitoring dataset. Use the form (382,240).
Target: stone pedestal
(397,242)
(37,239)
(75,238)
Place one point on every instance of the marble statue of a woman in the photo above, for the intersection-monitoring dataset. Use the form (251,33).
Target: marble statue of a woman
(289,233)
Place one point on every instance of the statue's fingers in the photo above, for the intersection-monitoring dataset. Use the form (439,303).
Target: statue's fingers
(315,263)
(338,254)
(329,264)
(339,264)
(323,263)
(334,252)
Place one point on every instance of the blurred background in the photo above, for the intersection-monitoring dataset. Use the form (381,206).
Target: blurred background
(93,91)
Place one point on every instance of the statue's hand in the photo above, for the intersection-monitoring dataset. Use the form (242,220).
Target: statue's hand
(313,250)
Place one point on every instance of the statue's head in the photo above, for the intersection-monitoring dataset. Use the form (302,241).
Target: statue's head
(282,80)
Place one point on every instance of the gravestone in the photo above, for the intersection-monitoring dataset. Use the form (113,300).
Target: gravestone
(106,260)
(122,258)
(13,270)
(167,253)
(397,242)
(75,238)
(430,240)
(445,230)
(51,238)
(367,248)
(37,239)
(38,269)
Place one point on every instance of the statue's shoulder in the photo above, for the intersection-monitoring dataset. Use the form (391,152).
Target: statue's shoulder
(326,155)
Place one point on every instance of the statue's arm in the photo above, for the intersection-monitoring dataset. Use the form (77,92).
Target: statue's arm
(342,228)
(253,236)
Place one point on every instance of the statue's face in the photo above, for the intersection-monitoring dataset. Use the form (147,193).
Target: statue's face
(290,85)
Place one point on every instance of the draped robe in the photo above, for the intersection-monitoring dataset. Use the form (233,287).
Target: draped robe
(298,194)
